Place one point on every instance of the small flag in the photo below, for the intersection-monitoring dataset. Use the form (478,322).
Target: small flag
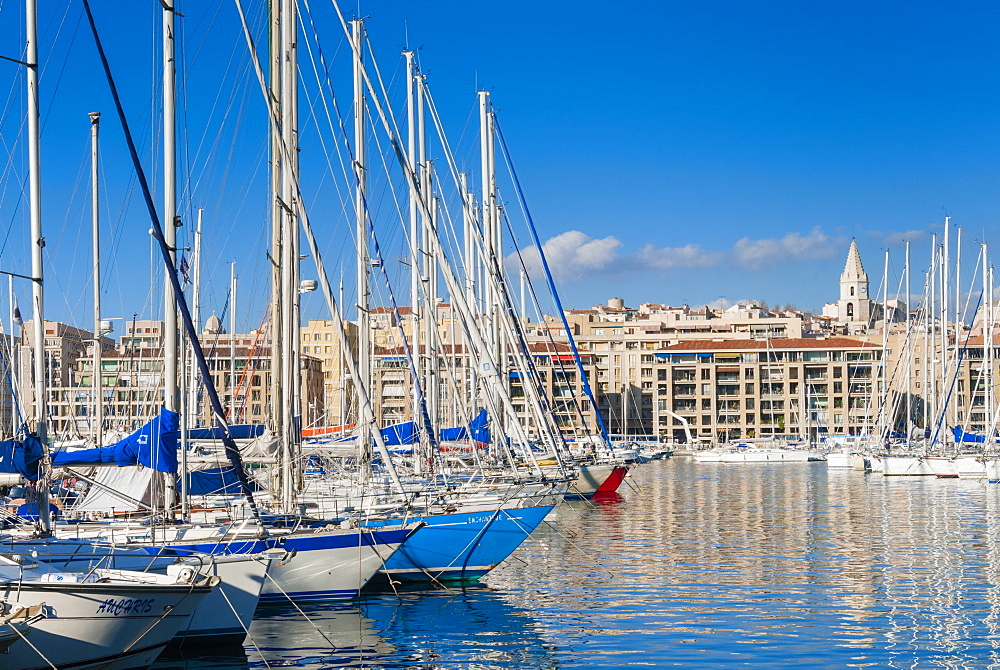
(17,315)
(185,270)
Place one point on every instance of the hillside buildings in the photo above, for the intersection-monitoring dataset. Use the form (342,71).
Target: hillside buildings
(676,372)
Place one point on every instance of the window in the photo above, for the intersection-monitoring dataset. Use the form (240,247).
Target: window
(706,373)
(748,373)
(749,389)
(850,308)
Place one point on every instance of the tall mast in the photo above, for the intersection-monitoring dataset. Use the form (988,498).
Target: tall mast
(275,60)
(232,342)
(171,398)
(468,229)
(429,263)
(195,315)
(170,377)
(909,350)
(411,156)
(361,227)
(491,299)
(883,416)
(957,345)
(96,386)
(289,256)
(930,371)
(988,353)
(37,243)
(945,293)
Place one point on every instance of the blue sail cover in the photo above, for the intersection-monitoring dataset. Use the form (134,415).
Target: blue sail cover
(21,457)
(153,446)
(215,481)
(241,431)
(401,433)
(962,436)
(480,433)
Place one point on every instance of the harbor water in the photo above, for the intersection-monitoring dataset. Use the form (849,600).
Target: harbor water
(693,566)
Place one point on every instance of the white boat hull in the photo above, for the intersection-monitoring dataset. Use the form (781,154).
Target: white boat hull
(227,611)
(322,571)
(979,468)
(757,456)
(906,466)
(840,460)
(98,625)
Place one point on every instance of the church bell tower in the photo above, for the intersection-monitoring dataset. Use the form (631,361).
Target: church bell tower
(855,308)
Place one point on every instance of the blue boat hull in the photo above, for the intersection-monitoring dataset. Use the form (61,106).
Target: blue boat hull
(463,545)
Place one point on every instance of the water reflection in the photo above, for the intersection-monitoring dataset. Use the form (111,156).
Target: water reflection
(702,565)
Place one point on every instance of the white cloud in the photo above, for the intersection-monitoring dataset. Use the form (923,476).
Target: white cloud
(689,256)
(907,236)
(573,254)
(721,303)
(756,254)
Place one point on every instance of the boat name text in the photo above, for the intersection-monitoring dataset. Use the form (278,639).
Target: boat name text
(126,606)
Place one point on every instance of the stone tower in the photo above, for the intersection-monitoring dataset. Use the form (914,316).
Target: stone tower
(854,306)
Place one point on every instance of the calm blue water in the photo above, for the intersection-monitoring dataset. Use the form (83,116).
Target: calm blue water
(703,566)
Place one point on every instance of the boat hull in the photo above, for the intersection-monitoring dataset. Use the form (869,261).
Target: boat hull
(979,468)
(757,456)
(224,615)
(98,625)
(597,478)
(462,545)
(332,567)
(326,565)
(906,466)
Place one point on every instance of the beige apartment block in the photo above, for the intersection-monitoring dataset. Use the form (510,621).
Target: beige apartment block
(131,378)
(781,387)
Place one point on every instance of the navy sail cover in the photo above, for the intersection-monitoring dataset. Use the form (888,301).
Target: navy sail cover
(153,446)
(480,431)
(21,457)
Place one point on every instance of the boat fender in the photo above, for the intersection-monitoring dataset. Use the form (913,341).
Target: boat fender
(185,575)
(212,580)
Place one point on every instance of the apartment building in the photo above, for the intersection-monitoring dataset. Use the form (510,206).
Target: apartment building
(131,378)
(783,387)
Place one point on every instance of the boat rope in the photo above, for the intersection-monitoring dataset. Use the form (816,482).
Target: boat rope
(552,285)
(166,612)
(382,559)
(36,649)
(232,451)
(253,642)
(299,610)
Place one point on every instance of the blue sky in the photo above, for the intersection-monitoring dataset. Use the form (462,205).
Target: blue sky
(670,152)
